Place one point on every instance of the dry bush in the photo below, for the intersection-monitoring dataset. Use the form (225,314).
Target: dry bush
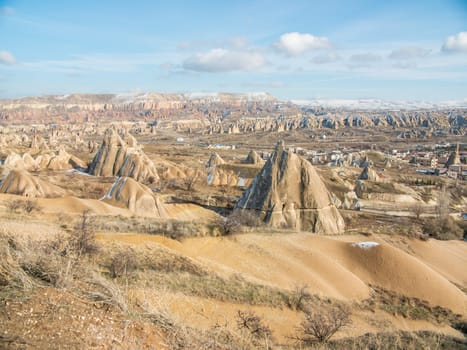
(11,274)
(13,205)
(299,298)
(105,292)
(123,263)
(444,228)
(321,323)
(251,324)
(28,206)
(27,262)
(83,237)
(237,221)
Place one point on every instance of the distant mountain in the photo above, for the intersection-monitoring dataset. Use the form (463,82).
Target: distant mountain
(378,104)
(139,100)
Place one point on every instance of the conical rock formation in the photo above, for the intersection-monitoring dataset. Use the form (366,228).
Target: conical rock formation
(116,157)
(253,158)
(214,160)
(288,192)
(136,197)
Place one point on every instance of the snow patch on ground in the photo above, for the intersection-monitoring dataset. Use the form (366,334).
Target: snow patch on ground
(365,245)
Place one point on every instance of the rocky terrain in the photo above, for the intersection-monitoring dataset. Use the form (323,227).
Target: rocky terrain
(222,221)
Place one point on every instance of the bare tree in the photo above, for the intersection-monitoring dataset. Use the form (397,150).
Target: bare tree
(190,182)
(321,323)
(442,204)
(418,210)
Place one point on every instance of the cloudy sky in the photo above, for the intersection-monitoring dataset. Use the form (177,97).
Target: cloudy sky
(393,50)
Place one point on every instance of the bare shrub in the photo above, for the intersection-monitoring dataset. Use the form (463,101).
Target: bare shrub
(83,237)
(237,221)
(13,205)
(29,206)
(443,228)
(299,298)
(251,324)
(105,292)
(418,210)
(321,323)
(123,263)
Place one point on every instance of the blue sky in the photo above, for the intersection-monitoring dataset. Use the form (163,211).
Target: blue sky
(394,50)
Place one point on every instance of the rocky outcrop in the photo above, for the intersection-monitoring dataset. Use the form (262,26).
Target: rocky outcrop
(60,160)
(368,174)
(214,160)
(288,192)
(253,158)
(130,194)
(22,183)
(122,157)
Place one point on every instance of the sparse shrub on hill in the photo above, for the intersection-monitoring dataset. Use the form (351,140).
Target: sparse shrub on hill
(442,228)
(299,298)
(83,237)
(253,327)
(28,206)
(238,221)
(321,323)
(13,205)
(123,263)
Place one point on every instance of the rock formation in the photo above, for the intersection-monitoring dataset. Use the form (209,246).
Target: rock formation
(368,174)
(22,183)
(253,158)
(117,157)
(214,160)
(288,192)
(136,197)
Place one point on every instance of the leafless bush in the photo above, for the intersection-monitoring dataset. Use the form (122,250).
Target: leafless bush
(83,237)
(252,324)
(418,210)
(123,263)
(321,323)
(27,206)
(299,298)
(442,228)
(237,221)
(30,206)
(13,205)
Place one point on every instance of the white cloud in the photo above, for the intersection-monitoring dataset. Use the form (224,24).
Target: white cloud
(408,53)
(326,58)
(7,58)
(222,60)
(295,43)
(456,43)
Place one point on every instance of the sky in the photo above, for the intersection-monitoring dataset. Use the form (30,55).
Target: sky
(300,50)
